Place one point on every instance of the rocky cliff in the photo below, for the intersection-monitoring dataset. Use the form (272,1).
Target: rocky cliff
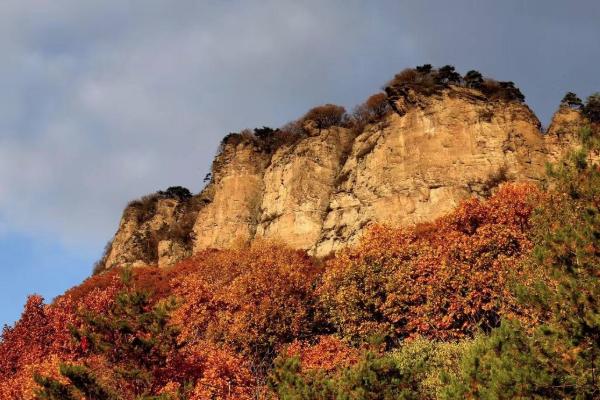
(563,132)
(319,190)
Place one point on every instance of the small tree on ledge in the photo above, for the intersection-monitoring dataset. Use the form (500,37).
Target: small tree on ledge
(571,100)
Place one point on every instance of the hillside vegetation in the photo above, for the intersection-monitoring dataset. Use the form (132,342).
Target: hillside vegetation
(500,299)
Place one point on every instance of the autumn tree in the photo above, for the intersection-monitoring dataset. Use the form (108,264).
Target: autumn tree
(559,357)
(326,116)
(133,336)
(28,341)
(372,110)
(443,280)
(253,300)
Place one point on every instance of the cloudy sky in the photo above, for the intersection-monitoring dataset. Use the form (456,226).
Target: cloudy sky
(104,101)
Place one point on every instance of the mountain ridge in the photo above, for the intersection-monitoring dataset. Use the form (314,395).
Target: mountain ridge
(409,155)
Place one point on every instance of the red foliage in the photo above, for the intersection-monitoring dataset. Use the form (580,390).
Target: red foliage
(237,308)
(252,299)
(28,341)
(328,354)
(442,280)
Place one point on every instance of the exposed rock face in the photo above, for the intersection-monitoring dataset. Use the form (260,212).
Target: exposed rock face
(134,240)
(232,216)
(153,231)
(563,132)
(319,192)
(418,166)
(298,185)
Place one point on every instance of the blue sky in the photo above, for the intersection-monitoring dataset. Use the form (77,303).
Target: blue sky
(104,101)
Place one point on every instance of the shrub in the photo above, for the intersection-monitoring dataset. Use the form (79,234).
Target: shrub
(326,115)
(373,377)
(508,365)
(571,100)
(429,81)
(421,79)
(253,300)
(447,75)
(473,79)
(424,69)
(432,363)
(408,75)
(372,110)
(498,90)
(444,280)
(328,354)
(591,109)
(144,207)
(235,138)
(176,192)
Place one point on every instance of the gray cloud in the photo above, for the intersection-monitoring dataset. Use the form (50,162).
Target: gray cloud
(104,101)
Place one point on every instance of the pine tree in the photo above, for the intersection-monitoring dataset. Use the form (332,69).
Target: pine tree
(134,337)
(559,358)
(568,251)
(571,100)
(51,389)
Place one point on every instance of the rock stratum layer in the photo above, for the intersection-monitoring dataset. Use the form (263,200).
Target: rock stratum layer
(320,191)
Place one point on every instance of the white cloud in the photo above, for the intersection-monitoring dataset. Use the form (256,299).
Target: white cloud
(103,101)
(106,101)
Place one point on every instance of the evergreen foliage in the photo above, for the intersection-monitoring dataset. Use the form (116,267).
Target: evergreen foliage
(571,100)
(591,109)
(408,313)
(373,377)
(559,357)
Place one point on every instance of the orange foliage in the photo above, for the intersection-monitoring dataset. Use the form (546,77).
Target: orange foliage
(372,110)
(28,341)
(252,299)
(237,308)
(225,375)
(443,280)
(22,386)
(328,354)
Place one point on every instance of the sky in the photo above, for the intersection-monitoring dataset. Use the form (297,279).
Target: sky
(103,101)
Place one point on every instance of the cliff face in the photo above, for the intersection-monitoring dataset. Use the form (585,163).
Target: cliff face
(298,185)
(563,132)
(156,230)
(319,192)
(237,182)
(417,166)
